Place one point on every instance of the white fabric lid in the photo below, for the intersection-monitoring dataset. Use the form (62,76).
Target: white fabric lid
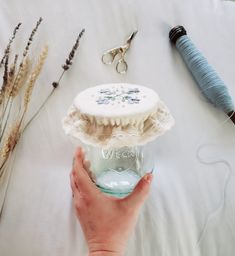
(117,115)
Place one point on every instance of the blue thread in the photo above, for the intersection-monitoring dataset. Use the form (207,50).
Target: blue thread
(208,80)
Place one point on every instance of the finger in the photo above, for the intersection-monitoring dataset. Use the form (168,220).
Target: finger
(86,164)
(140,192)
(78,159)
(73,186)
(77,198)
(81,177)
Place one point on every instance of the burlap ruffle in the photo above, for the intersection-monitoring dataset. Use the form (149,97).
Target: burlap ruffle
(103,132)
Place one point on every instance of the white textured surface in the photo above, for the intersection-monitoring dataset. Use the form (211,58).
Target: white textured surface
(192,205)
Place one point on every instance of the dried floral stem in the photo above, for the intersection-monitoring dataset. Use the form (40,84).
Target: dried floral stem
(14,88)
(39,109)
(68,61)
(3,88)
(13,80)
(11,75)
(5,79)
(6,122)
(56,84)
(14,135)
(21,64)
(14,83)
(10,144)
(5,75)
(8,81)
(7,50)
(26,50)
(31,37)
(33,77)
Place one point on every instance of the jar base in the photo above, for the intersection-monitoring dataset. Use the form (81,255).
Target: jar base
(118,183)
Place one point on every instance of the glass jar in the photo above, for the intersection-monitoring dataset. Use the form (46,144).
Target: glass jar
(116,171)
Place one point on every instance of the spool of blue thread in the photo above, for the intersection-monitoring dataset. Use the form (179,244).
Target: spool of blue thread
(206,77)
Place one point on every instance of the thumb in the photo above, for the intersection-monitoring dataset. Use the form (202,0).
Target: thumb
(140,192)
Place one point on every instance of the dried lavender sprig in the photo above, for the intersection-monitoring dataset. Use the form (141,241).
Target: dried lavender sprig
(11,76)
(3,88)
(31,37)
(7,50)
(12,69)
(68,61)
(5,75)
(15,59)
(56,84)
(26,50)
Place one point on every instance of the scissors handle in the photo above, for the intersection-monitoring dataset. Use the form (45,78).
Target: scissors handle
(121,66)
(109,56)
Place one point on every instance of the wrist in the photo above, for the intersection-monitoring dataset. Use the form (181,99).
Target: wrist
(105,253)
(105,249)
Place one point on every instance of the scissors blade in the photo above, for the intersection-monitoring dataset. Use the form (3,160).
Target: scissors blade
(132,35)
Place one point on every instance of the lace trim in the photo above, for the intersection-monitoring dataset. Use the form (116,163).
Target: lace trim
(91,132)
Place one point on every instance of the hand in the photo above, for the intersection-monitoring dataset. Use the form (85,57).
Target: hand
(107,222)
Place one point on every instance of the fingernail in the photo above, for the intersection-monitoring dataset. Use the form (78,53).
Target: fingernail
(78,151)
(148,177)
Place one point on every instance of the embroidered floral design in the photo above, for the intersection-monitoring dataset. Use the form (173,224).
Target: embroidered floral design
(108,96)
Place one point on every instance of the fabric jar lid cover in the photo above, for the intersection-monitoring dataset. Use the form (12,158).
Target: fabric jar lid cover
(117,115)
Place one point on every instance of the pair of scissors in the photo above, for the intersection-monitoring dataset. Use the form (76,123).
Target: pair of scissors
(109,56)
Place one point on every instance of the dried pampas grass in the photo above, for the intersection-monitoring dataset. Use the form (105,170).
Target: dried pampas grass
(34,75)
(9,143)
(18,82)
(14,80)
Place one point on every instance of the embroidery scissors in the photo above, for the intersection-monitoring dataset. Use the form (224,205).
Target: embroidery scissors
(109,56)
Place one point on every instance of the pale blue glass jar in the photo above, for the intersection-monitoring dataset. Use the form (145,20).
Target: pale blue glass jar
(116,171)
(116,122)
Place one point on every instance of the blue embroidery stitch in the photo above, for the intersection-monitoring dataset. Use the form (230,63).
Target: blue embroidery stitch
(110,95)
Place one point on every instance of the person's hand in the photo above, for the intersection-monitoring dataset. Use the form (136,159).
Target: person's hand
(107,222)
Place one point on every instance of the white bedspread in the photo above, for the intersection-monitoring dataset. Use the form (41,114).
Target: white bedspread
(191,210)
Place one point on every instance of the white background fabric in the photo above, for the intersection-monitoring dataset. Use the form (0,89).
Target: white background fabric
(191,210)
